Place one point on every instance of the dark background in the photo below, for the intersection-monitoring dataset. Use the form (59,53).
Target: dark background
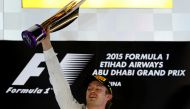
(135,93)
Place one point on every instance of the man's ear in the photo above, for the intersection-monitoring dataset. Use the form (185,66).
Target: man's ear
(109,96)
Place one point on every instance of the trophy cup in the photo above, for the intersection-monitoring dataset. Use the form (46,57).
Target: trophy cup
(35,34)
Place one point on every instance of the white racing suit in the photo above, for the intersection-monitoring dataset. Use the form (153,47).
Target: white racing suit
(61,87)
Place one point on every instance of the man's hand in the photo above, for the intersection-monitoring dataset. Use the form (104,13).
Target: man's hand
(46,43)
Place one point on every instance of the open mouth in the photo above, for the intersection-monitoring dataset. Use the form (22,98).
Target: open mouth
(92,96)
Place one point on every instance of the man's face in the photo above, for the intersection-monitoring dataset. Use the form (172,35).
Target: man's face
(97,94)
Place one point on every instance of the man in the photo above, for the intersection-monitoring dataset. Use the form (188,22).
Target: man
(98,93)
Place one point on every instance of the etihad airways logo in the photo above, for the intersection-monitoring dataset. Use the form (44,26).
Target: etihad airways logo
(100,3)
(72,65)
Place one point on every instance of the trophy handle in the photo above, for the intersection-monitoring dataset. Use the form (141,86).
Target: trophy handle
(68,10)
(64,22)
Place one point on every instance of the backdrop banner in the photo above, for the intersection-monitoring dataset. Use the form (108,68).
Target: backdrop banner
(143,75)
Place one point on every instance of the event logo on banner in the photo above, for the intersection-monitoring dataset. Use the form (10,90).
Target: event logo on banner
(100,3)
(72,65)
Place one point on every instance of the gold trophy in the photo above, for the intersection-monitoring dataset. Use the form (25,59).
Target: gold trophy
(35,34)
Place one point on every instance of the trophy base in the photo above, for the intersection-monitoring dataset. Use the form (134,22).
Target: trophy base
(34,35)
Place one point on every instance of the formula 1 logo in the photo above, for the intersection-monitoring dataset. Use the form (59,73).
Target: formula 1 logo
(31,70)
(71,64)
